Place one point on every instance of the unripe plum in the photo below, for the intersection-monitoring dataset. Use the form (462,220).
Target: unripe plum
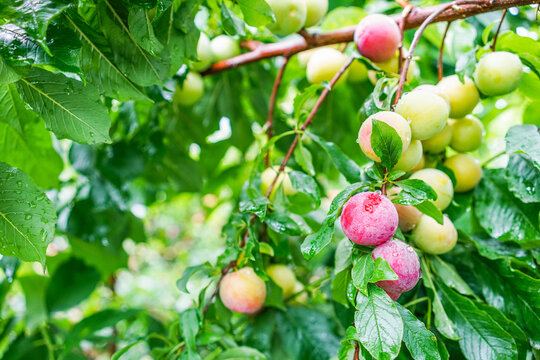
(396,121)
(324,64)
(191,90)
(392,66)
(369,218)
(440,182)
(204,53)
(290,16)
(358,72)
(224,47)
(498,73)
(242,291)
(283,276)
(377,37)
(434,238)
(421,164)
(463,96)
(404,261)
(467,170)
(467,134)
(409,216)
(436,90)
(316,9)
(437,143)
(268,176)
(426,111)
(411,157)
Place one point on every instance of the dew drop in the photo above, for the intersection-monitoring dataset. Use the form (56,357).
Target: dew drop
(28,216)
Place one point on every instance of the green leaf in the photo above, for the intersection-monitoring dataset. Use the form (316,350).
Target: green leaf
(450,277)
(481,336)
(307,185)
(304,159)
(378,323)
(343,163)
(27,145)
(466,63)
(70,109)
(33,287)
(181,284)
(413,192)
(282,223)
(337,203)
(27,216)
(189,321)
(7,73)
(525,139)
(362,272)
(527,49)
(97,255)
(386,143)
(494,250)
(427,207)
(421,342)
(523,178)
(241,352)
(75,281)
(231,23)
(314,243)
(256,12)
(258,206)
(340,285)
(143,31)
(304,101)
(274,295)
(382,271)
(502,215)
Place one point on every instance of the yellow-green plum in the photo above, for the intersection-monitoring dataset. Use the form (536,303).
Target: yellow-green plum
(463,96)
(409,216)
(426,112)
(396,121)
(437,143)
(224,47)
(440,182)
(283,276)
(324,64)
(204,53)
(467,134)
(358,72)
(290,16)
(377,37)
(316,9)
(242,291)
(421,164)
(467,170)
(392,66)
(498,73)
(434,238)
(268,176)
(191,90)
(436,90)
(411,157)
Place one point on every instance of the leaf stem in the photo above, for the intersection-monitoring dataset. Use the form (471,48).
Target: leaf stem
(416,301)
(498,30)
(441,50)
(48,343)
(496,156)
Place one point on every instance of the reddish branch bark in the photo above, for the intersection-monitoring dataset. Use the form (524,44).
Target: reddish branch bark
(441,50)
(498,30)
(417,16)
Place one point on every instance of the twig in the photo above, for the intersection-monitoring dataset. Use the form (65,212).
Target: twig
(216,290)
(250,44)
(498,29)
(404,14)
(415,19)
(418,34)
(356,351)
(272,105)
(385,181)
(441,49)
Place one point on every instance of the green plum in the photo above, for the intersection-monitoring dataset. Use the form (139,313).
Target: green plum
(498,73)
(290,16)
(463,96)
(191,90)
(467,134)
(467,171)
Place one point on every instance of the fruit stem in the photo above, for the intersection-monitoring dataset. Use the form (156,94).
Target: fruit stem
(404,14)
(385,181)
(441,50)
(214,294)
(493,158)
(356,351)
(498,30)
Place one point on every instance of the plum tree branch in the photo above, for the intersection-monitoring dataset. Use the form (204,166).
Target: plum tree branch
(416,17)
(498,30)
(441,50)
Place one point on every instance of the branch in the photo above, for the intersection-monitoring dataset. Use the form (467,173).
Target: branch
(498,29)
(441,49)
(417,16)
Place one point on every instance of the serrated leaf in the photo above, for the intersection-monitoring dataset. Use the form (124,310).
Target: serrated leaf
(258,206)
(70,109)
(382,271)
(256,12)
(231,23)
(307,185)
(526,139)
(27,216)
(143,31)
(362,272)
(428,208)
(449,276)
(523,178)
(421,342)
(386,143)
(315,242)
(378,323)
(417,191)
(8,75)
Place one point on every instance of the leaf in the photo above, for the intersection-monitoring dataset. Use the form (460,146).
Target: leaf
(27,216)
(304,159)
(27,145)
(7,73)
(344,164)
(378,323)
(231,23)
(70,109)
(523,178)
(527,49)
(386,143)
(99,256)
(143,31)
(339,286)
(314,243)
(428,208)
(493,249)
(466,63)
(307,185)
(241,352)
(414,191)
(337,203)
(449,276)
(33,287)
(525,139)
(258,206)
(421,342)
(256,12)
(181,284)
(481,336)
(274,295)
(502,215)
(304,101)
(362,272)
(282,223)
(189,321)
(75,281)
(382,271)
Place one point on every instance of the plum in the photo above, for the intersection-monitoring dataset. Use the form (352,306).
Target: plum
(290,16)
(324,64)
(316,9)
(404,261)
(467,134)
(377,37)
(434,238)
(191,90)
(463,96)
(409,216)
(411,157)
(498,73)
(283,276)
(440,182)
(242,291)
(438,142)
(224,47)
(204,53)
(467,170)
(268,176)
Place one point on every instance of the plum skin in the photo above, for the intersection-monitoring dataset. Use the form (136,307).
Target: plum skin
(191,90)
(324,64)
(467,170)
(242,291)
(204,53)
(408,215)
(404,261)
(316,9)
(396,121)
(224,47)
(283,276)
(440,182)
(358,72)
(377,37)
(411,157)
(498,73)
(438,142)
(426,111)
(467,134)
(434,238)
(290,16)
(369,218)
(463,96)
